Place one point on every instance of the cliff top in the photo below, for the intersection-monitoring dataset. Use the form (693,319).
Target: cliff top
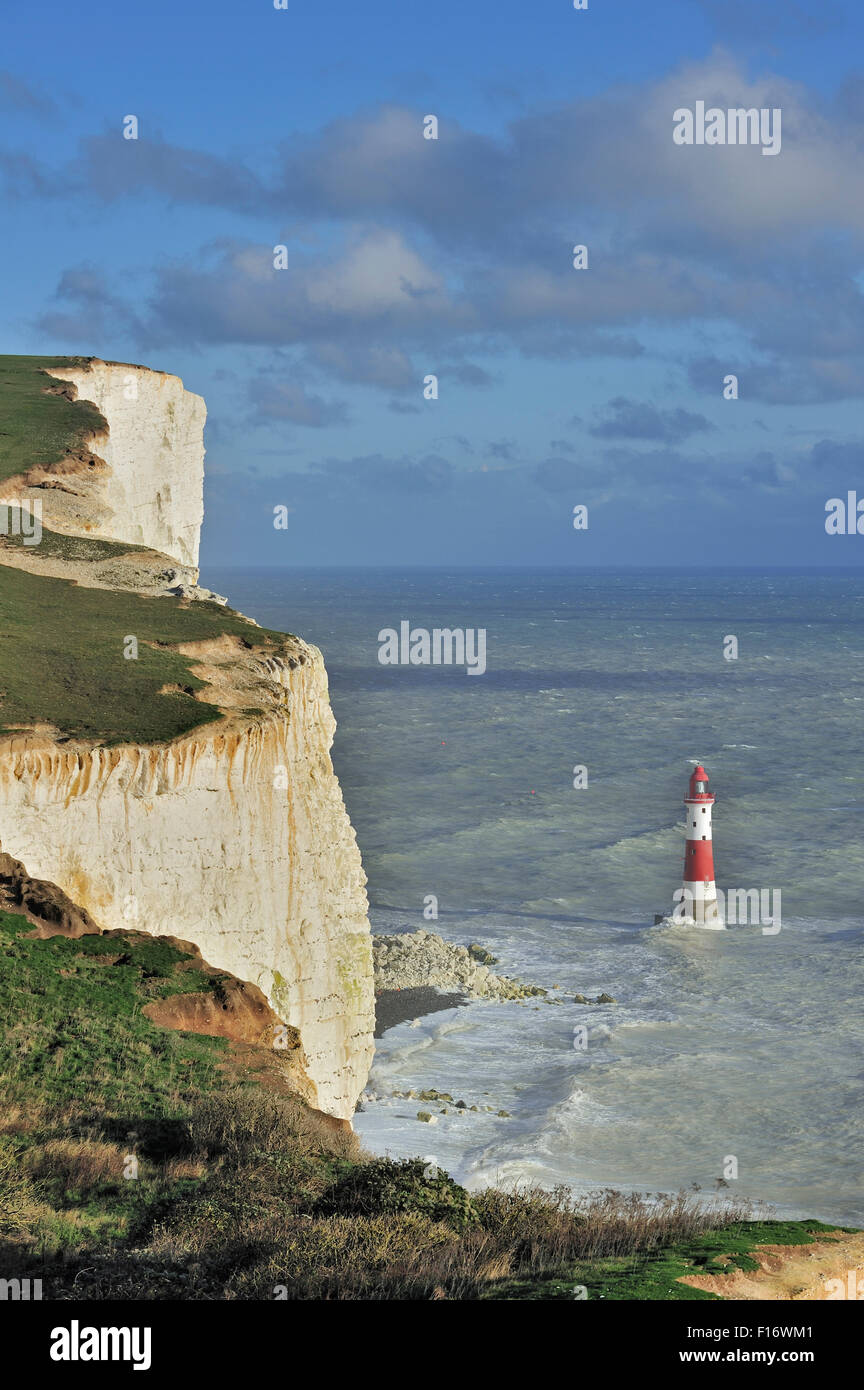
(63,667)
(40,422)
(91,628)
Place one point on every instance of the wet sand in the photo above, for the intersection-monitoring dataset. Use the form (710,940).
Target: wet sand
(394,1006)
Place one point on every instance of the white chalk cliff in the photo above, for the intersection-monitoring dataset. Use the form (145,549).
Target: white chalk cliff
(143,480)
(234,836)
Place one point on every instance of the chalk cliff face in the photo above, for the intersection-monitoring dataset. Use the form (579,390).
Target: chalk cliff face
(144,479)
(234,836)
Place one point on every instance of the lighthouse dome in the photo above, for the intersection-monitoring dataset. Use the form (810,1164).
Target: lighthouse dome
(699,781)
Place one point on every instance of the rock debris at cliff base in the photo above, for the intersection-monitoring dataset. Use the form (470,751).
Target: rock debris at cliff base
(421,961)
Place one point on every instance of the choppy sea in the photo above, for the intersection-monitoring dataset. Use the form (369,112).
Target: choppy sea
(735,1045)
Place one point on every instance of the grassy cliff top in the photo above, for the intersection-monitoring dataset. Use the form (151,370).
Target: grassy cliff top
(63,645)
(62,659)
(36,425)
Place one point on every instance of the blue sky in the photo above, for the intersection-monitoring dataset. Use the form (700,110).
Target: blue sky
(557,387)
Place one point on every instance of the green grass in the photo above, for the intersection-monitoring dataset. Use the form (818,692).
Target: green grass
(74,1028)
(35,427)
(91,549)
(86,1078)
(62,662)
(655,1275)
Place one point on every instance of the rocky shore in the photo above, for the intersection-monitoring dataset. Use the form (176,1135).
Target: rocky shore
(421,959)
(418,973)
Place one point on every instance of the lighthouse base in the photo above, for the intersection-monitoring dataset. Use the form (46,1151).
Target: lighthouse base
(696,906)
(673,919)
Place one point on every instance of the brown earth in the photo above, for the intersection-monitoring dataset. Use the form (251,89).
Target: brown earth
(42,903)
(48,475)
(236,1010)
(795,1273)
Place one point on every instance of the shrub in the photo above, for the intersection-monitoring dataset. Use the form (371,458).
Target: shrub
(558,1226)
(239,1123)
(387,1186)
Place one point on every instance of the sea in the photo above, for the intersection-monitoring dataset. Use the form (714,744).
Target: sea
(538,808)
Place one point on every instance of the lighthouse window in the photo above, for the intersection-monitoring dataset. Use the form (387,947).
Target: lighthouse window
(703,810)
(700,786)
(704,837)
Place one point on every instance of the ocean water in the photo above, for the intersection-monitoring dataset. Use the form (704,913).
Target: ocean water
(721,1045)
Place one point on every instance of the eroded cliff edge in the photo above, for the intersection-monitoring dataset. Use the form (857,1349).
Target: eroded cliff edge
(232,834)
(140,477)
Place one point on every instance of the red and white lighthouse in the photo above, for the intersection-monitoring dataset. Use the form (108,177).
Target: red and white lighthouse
(699,854)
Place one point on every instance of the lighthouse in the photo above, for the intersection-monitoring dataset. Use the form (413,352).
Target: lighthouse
(699,854)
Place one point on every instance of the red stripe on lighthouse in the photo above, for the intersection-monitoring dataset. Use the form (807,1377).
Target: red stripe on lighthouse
(698,862)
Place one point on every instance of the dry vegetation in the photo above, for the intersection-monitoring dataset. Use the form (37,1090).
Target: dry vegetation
(252,1196)
(141,1163)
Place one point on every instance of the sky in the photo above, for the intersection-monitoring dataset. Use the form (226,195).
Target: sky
(407,258)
